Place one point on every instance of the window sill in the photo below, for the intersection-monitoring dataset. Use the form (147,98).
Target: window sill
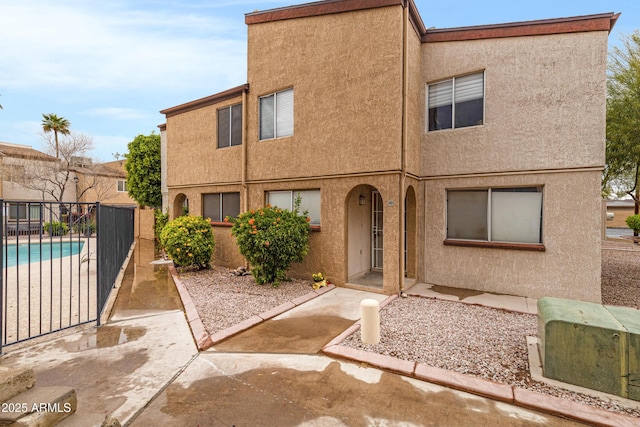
(315,228)
(536,247)
(221,224)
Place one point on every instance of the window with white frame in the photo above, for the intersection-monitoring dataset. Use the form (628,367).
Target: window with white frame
(309,201)
(511,215)
(276,115)
(456,103)
(122,186)
(230,126)
(24,211)
(218,206)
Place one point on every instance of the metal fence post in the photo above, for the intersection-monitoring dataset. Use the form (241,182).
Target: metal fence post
(2,244)
(98,264)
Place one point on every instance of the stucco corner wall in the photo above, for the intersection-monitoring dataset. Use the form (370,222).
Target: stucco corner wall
(193,156)
(544,104)
(346,73)
(568,268)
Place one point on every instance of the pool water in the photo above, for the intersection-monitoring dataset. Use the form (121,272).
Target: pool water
(23,253)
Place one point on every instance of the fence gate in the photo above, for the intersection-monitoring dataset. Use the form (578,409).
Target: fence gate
(57,262)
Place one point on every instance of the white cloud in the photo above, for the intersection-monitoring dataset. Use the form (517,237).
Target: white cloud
(87,45)
(120,113)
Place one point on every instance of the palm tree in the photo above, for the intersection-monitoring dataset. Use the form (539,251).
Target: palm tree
(51,122)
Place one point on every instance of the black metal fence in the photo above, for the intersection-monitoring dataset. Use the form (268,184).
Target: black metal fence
(116,234)
(57,262)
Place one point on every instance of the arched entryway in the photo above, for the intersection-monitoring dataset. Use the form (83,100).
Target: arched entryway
(180,205)
(365,236)
(410,234)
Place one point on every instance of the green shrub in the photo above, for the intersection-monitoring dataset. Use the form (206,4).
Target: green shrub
(161,220)
(85,226)
(55,228)
(271,239)
(633,222)
(189,241)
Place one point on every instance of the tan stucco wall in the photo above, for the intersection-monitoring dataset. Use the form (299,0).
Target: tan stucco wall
(346,73)
(568,268)
(16,191)
(193,156)
(544,104)
(330,245)
(415,103)
(143,223)
(109,197)
(620,215)
(544,116)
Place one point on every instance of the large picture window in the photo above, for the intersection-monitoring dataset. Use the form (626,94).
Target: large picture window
(218,206)
(511,215)
(230,126)
(310,201)
(276,115)
(457,102)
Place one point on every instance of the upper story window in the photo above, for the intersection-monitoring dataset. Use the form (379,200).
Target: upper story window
(511,215)
(230,126)
(457,102)
(276,115)
(218,206)
(309,201)
(122,186)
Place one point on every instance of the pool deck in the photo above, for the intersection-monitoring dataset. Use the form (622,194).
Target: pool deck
(46,296)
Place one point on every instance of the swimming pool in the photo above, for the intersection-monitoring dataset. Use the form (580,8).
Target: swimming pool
(23,253)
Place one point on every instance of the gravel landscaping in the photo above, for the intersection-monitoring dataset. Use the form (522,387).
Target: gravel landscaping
(223,299)
(472,340)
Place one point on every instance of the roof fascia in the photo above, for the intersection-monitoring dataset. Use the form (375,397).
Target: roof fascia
(207,101)
(318,8)
(576,24)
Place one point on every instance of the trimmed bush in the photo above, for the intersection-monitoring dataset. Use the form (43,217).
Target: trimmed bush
(56,228)
(271,239)
(633,222)
(189,241)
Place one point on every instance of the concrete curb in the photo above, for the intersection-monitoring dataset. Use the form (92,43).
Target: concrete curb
(262,317)
(478,386)
(200,336)
(205,341)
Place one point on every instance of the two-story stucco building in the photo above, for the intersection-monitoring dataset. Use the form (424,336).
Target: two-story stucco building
(465,157)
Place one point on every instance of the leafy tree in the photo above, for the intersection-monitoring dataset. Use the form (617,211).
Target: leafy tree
(622,169)
(55,124)
(143,170)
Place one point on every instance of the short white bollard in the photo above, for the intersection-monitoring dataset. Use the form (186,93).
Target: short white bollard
(370,321)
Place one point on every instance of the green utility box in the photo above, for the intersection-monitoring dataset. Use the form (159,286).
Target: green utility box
(591,345)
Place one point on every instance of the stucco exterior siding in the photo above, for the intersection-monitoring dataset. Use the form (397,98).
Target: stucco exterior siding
(569,267)
(347,101)
(193,156)
(544,104)
(359,73)
(331,249)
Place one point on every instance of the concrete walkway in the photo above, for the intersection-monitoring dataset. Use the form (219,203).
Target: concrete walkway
(144,369)
(118,368)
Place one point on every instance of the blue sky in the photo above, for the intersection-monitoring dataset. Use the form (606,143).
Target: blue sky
(110,67)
